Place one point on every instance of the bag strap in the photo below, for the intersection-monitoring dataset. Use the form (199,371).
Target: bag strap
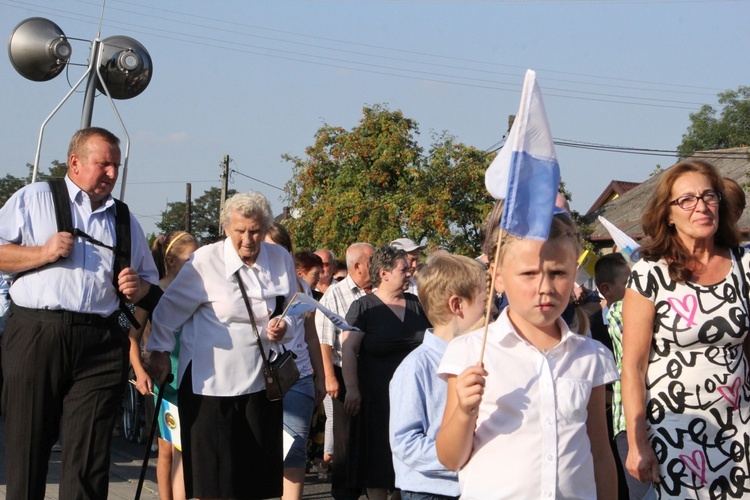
(122,255)
(64,218)
(61,201)
(252,319)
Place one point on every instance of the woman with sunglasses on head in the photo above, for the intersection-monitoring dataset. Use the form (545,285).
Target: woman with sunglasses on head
(685,317)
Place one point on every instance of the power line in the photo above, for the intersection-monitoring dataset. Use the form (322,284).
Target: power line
(648,151)
(233,171)
(224,23)
(370,67)
(223,29)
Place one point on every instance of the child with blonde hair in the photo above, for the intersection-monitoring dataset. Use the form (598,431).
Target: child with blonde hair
(453,294)
(170,253)
(528,420)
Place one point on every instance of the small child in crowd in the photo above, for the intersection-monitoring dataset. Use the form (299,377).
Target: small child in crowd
(453,294)
(170,253)
(611,275)
(533,423)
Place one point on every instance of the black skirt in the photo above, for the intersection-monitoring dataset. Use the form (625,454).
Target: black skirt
(231,446)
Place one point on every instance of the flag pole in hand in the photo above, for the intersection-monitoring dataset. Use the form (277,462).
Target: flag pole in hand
(525,173)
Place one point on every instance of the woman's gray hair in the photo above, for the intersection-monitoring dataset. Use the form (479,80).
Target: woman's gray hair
(250,204)
(384,259)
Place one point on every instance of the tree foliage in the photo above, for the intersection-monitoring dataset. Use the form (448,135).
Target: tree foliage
(204,216)
(710,129)
(10,183)
(374,183)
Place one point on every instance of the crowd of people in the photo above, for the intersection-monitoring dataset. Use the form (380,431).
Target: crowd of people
(443,376)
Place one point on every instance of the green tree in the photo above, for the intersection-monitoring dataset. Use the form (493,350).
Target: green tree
(10,183)
(657,170)
(373,183)
(204,217)
(449,199)
(730,129)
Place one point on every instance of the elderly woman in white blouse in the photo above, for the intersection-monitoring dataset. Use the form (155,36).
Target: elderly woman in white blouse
(231,434)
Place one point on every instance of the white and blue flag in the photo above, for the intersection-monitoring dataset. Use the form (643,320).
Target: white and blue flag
(169,424)
(302,303)
(626,245)
(525,173)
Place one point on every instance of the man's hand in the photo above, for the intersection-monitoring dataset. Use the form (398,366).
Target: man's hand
(59,246)
(132,286)
(159,366)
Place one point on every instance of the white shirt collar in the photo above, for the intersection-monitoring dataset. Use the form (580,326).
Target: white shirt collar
(504,331)
(79,196)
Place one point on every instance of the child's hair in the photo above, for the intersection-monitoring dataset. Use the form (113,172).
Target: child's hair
(490,226)
(307,260)
(170,244)
(443,276)
(609,267)
(562,227)
(279,234)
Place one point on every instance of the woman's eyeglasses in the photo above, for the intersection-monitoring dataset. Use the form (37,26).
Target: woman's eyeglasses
(689,201)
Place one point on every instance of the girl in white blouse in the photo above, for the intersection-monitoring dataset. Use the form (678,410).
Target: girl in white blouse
(529,419)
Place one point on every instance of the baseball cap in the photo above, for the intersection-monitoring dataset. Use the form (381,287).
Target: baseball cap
(407,245)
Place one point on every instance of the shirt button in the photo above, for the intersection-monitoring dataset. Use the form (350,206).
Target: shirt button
(548,494)
(550,420)
(550,458)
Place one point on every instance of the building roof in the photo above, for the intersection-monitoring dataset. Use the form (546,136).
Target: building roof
(614,190)
(625,211)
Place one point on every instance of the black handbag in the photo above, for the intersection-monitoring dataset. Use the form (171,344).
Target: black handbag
(279,374)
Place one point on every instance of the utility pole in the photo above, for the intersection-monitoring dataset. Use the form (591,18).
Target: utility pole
(224,181)
(188,207)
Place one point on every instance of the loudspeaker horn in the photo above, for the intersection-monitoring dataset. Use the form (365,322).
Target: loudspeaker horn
(125,67)
(38,49)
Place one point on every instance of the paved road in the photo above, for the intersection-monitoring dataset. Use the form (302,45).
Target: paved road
(125,470)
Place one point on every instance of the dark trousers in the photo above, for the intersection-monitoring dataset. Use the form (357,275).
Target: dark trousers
(56,371)
(339,489)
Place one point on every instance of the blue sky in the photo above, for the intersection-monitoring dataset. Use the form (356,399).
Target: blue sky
(256,79)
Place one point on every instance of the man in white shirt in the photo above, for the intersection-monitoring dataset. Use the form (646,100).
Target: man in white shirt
(338,298)
(413,254)
(326,274)
(65,358)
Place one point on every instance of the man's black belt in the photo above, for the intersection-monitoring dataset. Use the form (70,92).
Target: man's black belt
(66,317)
